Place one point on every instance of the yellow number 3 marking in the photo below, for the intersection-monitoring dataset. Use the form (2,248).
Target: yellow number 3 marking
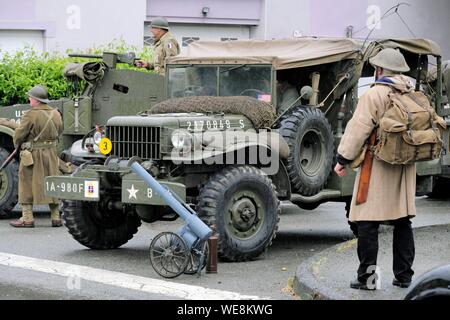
(105,146)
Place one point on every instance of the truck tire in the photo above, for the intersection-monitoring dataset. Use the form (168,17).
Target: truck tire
(310,139)
(241,207)
(9,184)
(440,189)
(85,226)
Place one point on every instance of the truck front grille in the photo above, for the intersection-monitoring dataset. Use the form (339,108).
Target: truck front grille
(128,141)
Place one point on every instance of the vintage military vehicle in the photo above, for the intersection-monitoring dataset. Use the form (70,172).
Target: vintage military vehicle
(223,144)
(100,92)
(434,176)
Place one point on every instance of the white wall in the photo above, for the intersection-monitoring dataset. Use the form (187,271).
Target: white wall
(13,40)
(426,19)
(329,18)
(81,24)
(210,32)
(282,19)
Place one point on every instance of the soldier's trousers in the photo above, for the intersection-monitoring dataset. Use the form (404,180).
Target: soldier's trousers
(403,249)
(27,212)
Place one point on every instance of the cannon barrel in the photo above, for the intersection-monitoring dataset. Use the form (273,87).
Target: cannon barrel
(193,222)
(109,58)
(82,55)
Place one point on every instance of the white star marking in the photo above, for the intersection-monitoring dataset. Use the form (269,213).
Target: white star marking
(132,192)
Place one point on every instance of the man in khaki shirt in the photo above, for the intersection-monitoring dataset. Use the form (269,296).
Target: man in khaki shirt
(165,46)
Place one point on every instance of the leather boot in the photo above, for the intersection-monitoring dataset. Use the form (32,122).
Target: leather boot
(27,219)
(55,216)
(356,284)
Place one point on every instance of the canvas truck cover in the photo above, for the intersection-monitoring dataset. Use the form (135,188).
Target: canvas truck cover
(416,46)
(281,54)
(294,53)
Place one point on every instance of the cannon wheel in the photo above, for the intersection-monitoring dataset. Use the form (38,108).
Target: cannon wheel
(9,184)
(169,254)
(241,206)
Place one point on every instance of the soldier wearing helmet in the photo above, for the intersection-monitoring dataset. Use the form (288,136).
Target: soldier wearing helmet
(165,46)
(391,191)
(37,137)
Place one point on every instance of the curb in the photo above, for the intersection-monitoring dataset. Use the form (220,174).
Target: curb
(306,284)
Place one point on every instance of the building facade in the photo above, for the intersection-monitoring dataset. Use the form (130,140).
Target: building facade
(58,25)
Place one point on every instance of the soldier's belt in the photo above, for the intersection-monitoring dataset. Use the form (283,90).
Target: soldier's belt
(44,144)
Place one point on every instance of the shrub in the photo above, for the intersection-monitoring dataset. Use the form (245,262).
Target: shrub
(26,68)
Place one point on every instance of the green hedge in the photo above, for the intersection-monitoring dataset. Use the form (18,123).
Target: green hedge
(21,71)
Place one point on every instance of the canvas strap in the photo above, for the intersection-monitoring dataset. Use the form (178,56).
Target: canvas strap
(49,119)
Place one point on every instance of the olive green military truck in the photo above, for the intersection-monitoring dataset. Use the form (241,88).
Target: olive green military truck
(226,142)
(434,176)
(100,91)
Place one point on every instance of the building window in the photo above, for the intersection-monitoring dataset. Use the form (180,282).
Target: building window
(228,39)
(148,41)
(187,40)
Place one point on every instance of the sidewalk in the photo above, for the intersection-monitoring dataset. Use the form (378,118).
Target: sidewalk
(327,275)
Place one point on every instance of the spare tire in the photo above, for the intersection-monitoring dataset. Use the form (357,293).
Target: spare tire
(310,139)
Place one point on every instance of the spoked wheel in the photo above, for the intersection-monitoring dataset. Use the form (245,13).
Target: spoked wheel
(198,255)
(169,254)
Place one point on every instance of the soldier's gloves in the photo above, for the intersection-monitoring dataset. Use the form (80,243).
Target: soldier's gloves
(141,64)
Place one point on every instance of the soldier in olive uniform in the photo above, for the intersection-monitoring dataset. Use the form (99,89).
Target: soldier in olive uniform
(165,46)
(37,137)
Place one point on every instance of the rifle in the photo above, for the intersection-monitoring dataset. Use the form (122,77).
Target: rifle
(9,159)
(366,170)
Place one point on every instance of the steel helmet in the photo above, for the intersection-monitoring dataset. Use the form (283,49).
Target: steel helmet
(390,59)
(39,93)
(160,23)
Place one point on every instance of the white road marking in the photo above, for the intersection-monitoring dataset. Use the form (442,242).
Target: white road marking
(119,279)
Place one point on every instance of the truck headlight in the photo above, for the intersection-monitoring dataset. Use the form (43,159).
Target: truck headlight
(182,140)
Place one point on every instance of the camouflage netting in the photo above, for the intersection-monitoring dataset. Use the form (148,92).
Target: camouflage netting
(260,113)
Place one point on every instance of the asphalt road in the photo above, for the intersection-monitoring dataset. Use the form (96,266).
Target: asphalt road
(126,273)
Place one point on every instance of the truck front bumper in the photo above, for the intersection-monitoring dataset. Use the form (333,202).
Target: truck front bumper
(134,190)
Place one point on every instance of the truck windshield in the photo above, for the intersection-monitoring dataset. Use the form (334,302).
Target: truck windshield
(235,80)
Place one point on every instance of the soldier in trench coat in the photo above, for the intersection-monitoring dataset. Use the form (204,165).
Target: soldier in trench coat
(392,187)
(37,138)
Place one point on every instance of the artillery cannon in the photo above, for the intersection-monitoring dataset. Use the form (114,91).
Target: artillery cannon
(184,251)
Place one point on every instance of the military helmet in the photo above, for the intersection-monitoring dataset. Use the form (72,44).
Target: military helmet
(39,93)
(160,23)
(390,59)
